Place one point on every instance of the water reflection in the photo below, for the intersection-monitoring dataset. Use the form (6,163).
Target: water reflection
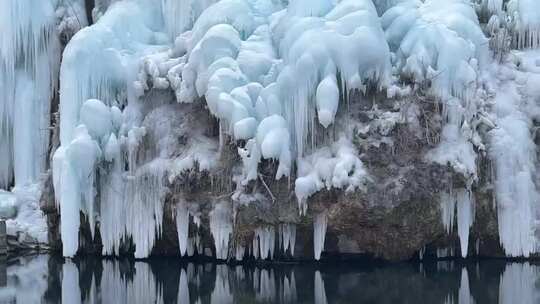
(47,279)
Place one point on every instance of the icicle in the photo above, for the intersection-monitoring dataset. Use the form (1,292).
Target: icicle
(266,237)
(448,209)
(182,226)
(463,201)
(191,247)
(255,246)
(240,251)
(319,234)
(465,218)
(144,205)
(513,152)
(288,237)
(112,212)
(526,21)
(421,253)
(221,228)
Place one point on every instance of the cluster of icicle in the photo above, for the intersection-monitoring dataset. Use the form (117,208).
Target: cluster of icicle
(29,60)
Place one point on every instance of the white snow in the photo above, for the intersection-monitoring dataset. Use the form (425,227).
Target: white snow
(23,215)
(336,166)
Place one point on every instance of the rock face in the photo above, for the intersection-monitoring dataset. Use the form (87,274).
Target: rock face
(396,217)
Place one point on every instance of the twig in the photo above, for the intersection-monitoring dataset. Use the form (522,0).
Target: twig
(267,188)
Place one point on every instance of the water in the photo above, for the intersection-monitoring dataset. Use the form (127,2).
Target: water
(49,279)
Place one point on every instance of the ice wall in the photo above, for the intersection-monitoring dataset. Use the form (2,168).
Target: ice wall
(277,76)
(29,60)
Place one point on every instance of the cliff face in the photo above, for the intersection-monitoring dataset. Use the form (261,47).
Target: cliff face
(396,216)
(263,129)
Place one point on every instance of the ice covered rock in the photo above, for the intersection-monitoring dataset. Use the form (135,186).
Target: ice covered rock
(337,166)
(437,41)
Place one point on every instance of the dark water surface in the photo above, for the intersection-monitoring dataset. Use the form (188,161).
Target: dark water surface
(49,279)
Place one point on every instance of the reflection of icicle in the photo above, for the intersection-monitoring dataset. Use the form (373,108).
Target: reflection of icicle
(222,292)
(465,296)
(320,293)
(289,289)
(445,266)
(240,273)
(183,288)
(71,292)
(266,291)
(112,283)
(319,234)
(519,281)
(143,288)
(221,228)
